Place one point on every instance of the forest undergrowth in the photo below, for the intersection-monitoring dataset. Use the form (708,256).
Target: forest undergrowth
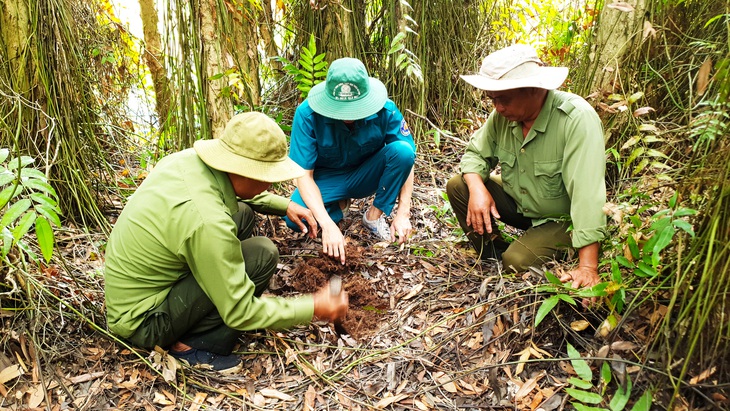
(431,328)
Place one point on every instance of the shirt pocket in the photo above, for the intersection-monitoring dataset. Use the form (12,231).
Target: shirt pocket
(369,148)
(549,179)
(330,156)
(507,165)
(362,148)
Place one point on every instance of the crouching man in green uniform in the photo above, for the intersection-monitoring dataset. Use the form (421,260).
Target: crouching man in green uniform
(549,146)
(182,270)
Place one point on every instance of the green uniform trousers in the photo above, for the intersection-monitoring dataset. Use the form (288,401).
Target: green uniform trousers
(187,315)
(539,244)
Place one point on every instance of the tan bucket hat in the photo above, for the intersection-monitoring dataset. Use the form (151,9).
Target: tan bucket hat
(252,145)
(514,67)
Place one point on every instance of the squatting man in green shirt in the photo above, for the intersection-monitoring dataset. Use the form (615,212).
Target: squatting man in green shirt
(549,146)
(182,270)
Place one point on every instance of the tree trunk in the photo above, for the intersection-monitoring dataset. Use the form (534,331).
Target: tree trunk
(15,31)
(342,29)
(267,38)
(218,107)
(155,61)
(618,33)
(243,51)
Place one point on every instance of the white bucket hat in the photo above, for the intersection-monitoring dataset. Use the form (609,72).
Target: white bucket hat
(514,67)
(252,145)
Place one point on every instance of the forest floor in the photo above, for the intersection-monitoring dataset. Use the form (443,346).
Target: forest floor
(430,327)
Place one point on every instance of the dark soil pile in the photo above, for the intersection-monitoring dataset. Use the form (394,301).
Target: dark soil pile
(368,299)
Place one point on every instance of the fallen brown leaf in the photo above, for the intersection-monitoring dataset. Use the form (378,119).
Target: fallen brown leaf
(392,399)
(37,394)
(703,375)
(272,393)
(703,76)
(309,397)
(445,380)
(10,373)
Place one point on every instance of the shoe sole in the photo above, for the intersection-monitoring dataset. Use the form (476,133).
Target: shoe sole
(208,367)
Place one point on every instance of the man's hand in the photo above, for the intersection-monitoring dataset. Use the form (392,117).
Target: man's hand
(401,226)
(333,242)
(297,213)
(582,276)
(481,206)
(586,275)
(328,306)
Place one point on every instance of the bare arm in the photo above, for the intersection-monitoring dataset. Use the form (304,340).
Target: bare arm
(333,242)
(401,222)
(586,274)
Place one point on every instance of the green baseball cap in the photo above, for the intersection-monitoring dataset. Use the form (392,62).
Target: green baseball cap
(348,93)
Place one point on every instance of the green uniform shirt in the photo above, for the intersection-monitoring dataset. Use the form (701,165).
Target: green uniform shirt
(179,221)
(557,170)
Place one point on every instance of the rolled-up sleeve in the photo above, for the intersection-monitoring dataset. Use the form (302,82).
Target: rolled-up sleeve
(480,156)
(214,255)
(303,141)
(269,203)
(584,170)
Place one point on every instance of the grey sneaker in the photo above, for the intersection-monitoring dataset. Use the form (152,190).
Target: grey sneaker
(379,227)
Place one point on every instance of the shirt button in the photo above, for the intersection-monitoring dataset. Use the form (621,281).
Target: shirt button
(523,191)
(522,170)
(522,150)
(527,211)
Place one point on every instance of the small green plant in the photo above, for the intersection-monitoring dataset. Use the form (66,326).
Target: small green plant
(710,124)
(420,251)
(406,60)
(312,68)
(562,292)
(26,200)
(646,246)
(583,391)
(445,214)
(640,146)
(638,246)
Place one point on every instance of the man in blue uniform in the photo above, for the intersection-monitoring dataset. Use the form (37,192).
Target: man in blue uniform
(352,142)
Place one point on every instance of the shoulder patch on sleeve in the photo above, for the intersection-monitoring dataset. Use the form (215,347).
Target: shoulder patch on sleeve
(404,130)
(567,107)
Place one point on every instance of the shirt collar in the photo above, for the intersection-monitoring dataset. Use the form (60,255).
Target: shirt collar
(226,189)
(542,120)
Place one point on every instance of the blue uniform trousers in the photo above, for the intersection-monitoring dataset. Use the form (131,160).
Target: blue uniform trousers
(383,174)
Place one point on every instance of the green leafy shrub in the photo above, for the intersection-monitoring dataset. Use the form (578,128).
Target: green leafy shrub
(635,250)
(312,68)
(26,200)
(563,292)
(406,60)
(584,393)
(640,239)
